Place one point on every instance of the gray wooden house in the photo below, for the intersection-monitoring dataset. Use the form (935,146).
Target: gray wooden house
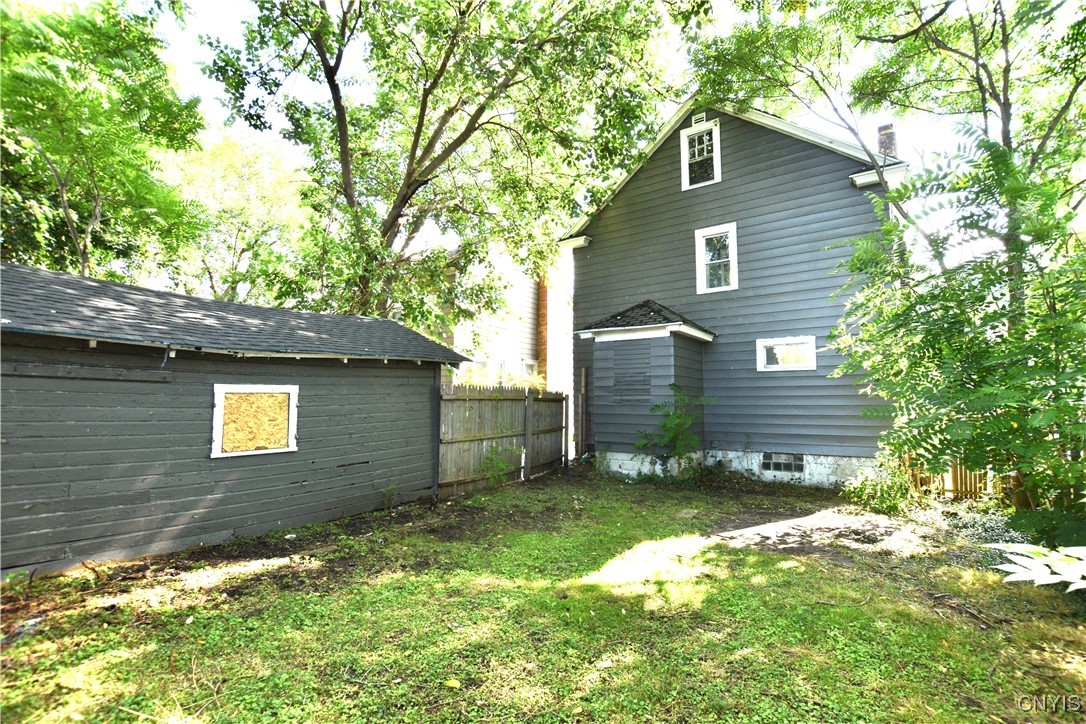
(136,421)
(712,266)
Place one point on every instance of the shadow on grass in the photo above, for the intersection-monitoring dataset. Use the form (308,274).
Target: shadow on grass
(576,600)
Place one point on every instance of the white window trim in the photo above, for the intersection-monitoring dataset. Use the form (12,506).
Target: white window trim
(684,149)
(807,340)
(733,257)
(220,405)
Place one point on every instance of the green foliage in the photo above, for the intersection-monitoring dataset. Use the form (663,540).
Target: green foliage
(87,102)
(497,465)
(886,489)
(463,119)
(1044,566)
(674,437)
(981,360)
(968,310)
(1051,527)
(248,193)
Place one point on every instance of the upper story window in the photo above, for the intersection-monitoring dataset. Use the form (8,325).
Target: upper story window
(786,353)
(701,154)
(717,260)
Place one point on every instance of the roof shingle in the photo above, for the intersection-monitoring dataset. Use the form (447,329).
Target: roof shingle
(643,314)
(46,302)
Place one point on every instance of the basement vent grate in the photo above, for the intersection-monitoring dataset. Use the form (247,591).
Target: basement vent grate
(782,462)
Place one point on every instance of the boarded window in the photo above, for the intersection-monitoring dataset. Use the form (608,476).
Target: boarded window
(254,419)
(632,387)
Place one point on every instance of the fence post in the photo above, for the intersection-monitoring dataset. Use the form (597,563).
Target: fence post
(565,432)
(528,434)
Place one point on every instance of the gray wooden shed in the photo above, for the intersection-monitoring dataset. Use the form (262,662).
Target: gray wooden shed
(136,421)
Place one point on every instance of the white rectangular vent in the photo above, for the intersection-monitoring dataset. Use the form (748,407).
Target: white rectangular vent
(698,119)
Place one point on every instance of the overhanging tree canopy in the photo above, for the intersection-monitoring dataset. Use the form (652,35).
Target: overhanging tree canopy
(86,101)
(480,119)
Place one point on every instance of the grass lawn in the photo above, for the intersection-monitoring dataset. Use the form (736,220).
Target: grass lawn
(564,599)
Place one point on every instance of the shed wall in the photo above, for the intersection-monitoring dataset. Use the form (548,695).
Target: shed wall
(792,202)
(106,451)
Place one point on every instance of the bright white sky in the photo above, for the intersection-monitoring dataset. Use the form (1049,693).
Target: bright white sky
(223,19)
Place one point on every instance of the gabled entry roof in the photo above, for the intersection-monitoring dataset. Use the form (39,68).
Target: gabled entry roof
(645,319)
(48,302)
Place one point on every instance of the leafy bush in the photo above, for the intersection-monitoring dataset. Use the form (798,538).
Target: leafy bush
(1053,528)
(886,489)
(496,465)
(980,362)
(674,437)
(1044,566)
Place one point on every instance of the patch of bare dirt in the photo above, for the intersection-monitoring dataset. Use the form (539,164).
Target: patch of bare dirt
(828,534)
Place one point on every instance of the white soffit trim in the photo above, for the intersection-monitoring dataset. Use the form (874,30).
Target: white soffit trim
(617,334)
(894,176)
(576,242)
(845,148)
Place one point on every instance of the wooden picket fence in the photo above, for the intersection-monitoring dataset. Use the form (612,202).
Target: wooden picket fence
(492,432)
(957,483)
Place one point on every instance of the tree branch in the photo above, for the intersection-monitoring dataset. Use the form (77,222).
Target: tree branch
(924,24)
(1068,104)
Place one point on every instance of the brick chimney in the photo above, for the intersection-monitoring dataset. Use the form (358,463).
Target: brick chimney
(888,140)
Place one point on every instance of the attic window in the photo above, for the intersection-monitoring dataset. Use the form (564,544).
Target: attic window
(700,148)
(254,420)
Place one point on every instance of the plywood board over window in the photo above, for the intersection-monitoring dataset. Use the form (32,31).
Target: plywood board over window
(254,420)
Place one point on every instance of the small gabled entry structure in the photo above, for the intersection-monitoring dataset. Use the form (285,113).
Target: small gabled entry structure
(637,354)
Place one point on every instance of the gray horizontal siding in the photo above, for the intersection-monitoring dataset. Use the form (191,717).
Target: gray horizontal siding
(687,361)
(621,419)
(622,412)
(793,205)
(101,465)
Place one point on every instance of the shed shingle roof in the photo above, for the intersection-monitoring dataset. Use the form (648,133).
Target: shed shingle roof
(643,314)
(46,302)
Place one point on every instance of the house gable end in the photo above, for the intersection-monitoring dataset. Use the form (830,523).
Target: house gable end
(682,121)
(792,204)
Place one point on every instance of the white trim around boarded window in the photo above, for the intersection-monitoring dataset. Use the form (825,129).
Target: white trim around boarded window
(726,269)
(706,139)
(800,349)
(218,417)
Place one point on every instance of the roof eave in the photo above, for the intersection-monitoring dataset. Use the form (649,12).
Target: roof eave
(647,331)
(237,352)
(893,175)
